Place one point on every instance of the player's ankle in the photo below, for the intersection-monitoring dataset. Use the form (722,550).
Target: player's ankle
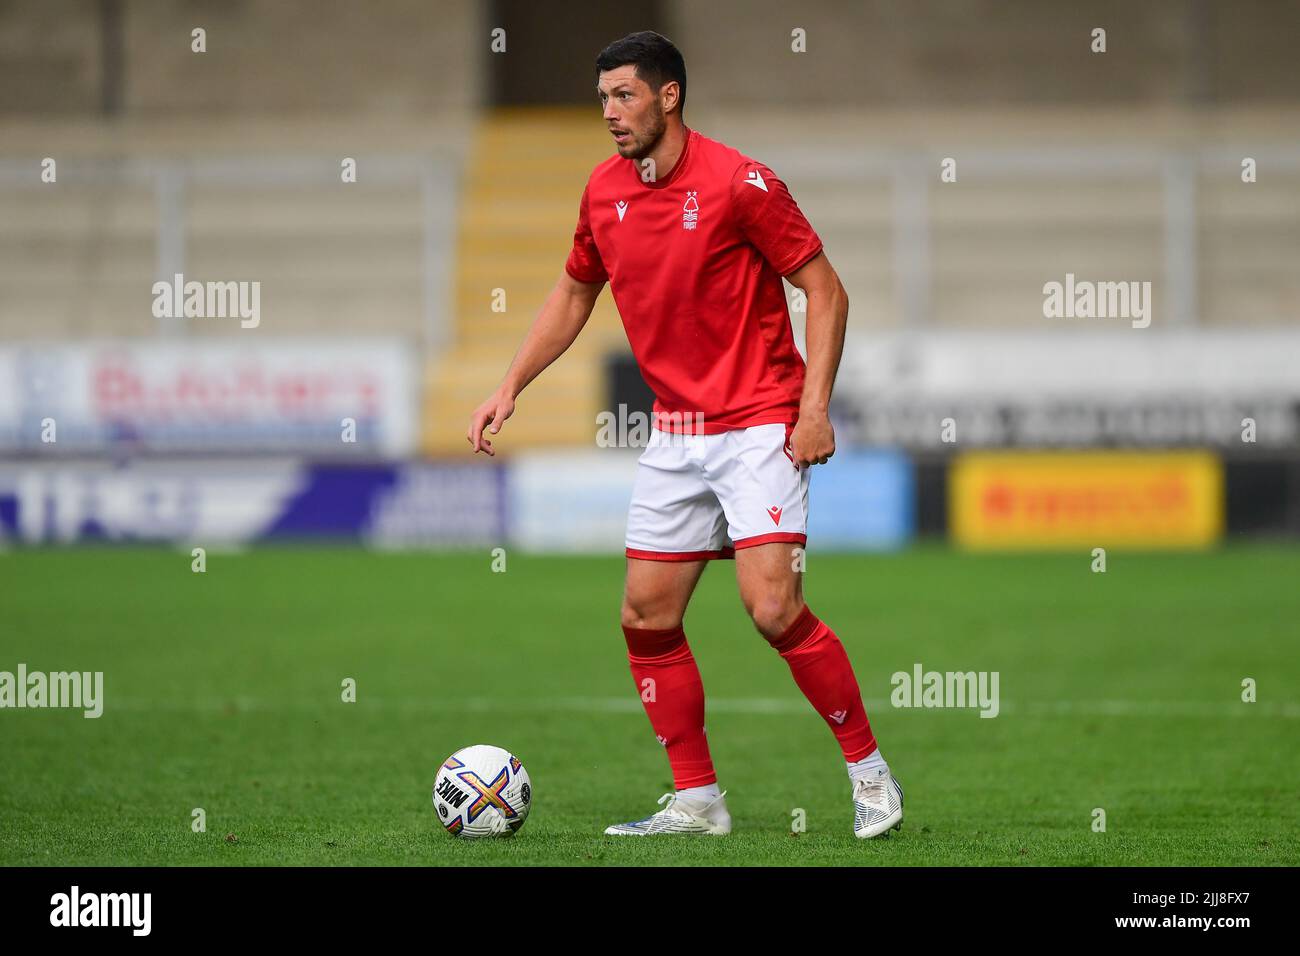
(700,796)
(868,766)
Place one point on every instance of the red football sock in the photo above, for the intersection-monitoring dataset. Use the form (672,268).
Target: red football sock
(673,695)
(822,670)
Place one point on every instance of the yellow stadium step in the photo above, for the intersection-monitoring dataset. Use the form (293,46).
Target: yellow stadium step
(524,181)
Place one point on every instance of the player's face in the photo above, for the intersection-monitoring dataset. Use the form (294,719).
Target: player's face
(633,112)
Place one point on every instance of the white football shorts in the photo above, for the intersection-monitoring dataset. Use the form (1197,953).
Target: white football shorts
(704,496)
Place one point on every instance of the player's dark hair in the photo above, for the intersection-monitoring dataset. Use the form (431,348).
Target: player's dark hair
(656,60)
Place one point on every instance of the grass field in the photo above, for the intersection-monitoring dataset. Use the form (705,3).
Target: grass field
(1119,690)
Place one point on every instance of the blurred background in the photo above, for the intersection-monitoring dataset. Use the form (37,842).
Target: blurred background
(401,179)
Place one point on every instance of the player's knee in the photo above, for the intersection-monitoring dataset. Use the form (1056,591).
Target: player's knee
(644,615)
(633,616)
(773,614)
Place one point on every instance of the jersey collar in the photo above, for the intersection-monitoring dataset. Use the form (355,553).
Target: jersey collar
(677,167)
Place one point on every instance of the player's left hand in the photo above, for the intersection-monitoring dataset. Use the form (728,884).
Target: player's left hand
(813,440)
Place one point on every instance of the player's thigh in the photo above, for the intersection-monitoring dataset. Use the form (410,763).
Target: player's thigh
(771,584)
(762,492)
(655,593)
(673,515)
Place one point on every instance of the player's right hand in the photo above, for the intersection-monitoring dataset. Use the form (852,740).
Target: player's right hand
(493,412)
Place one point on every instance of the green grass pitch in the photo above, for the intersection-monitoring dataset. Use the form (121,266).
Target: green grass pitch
(1119,691)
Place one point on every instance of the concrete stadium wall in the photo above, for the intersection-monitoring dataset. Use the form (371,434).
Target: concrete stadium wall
(268,56)
(288,56)
(1005,53)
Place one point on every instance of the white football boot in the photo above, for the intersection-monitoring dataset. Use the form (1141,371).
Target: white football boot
(680,816)
(877,805)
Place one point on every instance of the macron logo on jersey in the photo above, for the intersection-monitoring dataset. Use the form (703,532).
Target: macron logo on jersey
(754,179)
(621,208)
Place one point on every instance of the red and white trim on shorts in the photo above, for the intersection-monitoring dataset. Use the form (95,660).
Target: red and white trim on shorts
(723,554)
(776,537)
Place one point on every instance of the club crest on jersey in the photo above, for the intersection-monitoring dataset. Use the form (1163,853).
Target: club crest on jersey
(690,211)
(621,208)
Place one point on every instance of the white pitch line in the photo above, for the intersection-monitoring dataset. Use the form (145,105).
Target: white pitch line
(1289,710)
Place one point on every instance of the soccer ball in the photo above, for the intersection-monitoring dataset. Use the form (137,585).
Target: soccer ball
(482,791)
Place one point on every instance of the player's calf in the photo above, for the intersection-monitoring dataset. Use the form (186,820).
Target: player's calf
(821,668)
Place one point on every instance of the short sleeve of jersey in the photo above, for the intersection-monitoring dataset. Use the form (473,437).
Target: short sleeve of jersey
(771,220)
(584,262)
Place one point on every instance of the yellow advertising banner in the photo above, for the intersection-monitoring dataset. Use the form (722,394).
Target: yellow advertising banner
(1055,500)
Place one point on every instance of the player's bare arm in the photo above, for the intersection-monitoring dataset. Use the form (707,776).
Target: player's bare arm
(813,439)
(561,318)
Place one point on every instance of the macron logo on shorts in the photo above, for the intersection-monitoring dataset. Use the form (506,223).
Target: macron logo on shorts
(775,514)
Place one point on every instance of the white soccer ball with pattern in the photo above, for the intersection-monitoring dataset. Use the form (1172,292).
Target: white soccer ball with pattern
(482,791)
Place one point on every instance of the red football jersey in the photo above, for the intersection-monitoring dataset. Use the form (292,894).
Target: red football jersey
(694,261)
